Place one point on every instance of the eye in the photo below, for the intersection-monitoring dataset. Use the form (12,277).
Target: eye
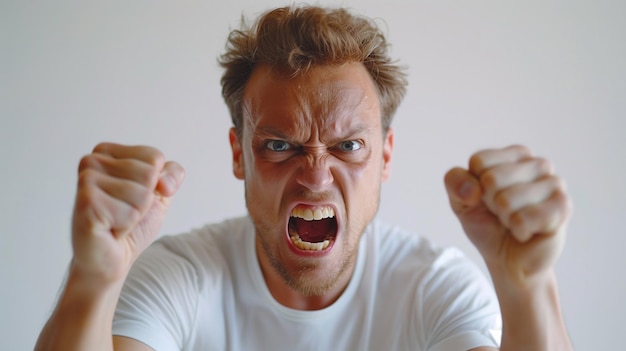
(349,145)
(278,145)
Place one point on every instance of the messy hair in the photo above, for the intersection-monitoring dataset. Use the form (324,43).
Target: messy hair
(293,39)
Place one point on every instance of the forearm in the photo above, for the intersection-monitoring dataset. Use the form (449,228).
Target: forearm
(531,313)
(82,319)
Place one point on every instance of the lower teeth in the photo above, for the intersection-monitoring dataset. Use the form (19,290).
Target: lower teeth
(305,245)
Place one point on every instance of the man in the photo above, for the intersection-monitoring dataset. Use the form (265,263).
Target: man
(311,93)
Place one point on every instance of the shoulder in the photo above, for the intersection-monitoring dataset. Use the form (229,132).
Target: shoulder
(198,254)
(207,236)
(439,290)
(205,242)
(393,244)
(179,282)
(405,257)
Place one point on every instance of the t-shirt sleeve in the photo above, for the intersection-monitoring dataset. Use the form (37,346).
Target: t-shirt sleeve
(157,306)
(460,309)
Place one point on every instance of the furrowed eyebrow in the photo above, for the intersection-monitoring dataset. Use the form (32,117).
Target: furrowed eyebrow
(358,130)
(272,133)
(353,132)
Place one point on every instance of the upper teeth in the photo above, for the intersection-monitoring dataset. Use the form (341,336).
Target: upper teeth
(309,215)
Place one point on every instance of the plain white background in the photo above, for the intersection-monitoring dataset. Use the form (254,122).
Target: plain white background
(549,74)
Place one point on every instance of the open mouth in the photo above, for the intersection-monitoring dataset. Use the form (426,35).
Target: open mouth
(312,229)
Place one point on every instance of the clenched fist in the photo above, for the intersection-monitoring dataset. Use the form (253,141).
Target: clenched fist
(122,196)
(513,208)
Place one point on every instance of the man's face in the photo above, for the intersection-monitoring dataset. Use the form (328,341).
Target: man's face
(313,156)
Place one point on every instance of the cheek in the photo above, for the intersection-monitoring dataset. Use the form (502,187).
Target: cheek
(362,190)
(361,181)
(366,173)
(267,178)
(265,190)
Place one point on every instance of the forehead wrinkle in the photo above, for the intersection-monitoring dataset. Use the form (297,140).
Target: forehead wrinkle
(312,108)
(288,126)
(248,111)
(263,103)
(342,106)
(303,115)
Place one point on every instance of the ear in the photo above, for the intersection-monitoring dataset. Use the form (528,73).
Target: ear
(387,152)
(235,146)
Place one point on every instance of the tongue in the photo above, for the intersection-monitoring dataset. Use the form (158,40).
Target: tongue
(312,231)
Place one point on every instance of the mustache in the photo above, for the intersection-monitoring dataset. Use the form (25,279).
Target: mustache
(309,196)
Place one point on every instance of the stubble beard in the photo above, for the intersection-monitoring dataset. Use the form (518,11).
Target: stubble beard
(304,279)
(301,280)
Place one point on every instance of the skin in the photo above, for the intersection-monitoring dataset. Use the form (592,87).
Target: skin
(515,211)
(336,154)
(510,203)
(122,196)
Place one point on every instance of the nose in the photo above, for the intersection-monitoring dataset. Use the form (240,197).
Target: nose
(315,173)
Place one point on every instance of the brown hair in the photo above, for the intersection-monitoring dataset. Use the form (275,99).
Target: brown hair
(293,39)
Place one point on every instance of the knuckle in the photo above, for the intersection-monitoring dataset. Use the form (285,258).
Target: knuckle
(559,196)
(86,198)
(477,162)
(86,162)
(148,178)
(86,177)
(516,221)
(517,227)
(544,165)
(154,157)
(102,147)
(503,201)
(489,179)
(521,149)
(559,184)
(139,171)
(563,201)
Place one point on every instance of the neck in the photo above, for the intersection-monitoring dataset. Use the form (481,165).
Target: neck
(292,297)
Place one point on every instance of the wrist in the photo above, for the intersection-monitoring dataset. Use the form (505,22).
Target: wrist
(83,316)
(517,281)
(531,312)
(87,295)
(90,285)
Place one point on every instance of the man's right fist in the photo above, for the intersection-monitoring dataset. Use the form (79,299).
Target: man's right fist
(122,196)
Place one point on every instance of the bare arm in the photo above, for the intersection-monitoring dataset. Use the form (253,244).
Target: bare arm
(122,196)
(515,210)
(121,343)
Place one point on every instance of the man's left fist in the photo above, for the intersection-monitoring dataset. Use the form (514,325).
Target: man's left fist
(512,207)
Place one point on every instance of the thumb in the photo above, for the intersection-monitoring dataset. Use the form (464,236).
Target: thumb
(480,225)
(170,180)
(464,190)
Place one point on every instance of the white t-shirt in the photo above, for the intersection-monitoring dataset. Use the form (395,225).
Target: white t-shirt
(205,291)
